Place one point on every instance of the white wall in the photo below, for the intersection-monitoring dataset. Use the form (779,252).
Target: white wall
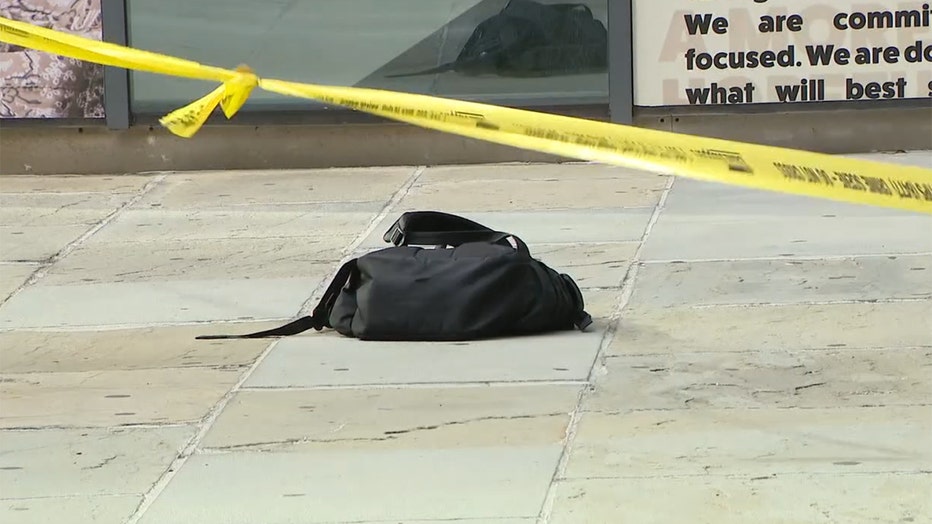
(661,41)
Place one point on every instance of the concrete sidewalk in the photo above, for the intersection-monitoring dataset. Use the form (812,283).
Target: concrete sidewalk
(756,357)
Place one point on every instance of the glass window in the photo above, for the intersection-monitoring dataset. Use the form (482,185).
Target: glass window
(518,52)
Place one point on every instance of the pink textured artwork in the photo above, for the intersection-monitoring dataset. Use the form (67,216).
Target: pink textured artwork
(40,85)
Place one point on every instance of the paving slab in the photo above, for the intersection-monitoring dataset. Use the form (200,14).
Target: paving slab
(55,206)
(550,227)
(784,281)
(398,486)
(771,378)
(532,187)
(112,398)
(86,462)
(718,234)
(716,222)
(12,276)
(74,510)
(773,328)
(36,243)
(73,183)
(590,265)
(147,303)
(140,225)
(271,258)
(395,418)
(129,349)
(782,499)
(752,442)
(333,360)
(223,189)
(33,211)
(700,198)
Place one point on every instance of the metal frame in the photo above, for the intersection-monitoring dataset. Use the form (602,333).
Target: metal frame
(116,80)
(620,61)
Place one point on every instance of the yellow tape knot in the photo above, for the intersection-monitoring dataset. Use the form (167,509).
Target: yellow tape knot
(230,96)
(238,89)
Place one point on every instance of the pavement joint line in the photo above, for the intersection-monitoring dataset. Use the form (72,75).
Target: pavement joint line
(791,258)
(118,327)
(69,496)
(791,351)
(762,408)
(145,325)
(903,300)
(627,290)
(61,193)
(334,203)
(454,520)
(751,476)
(420,385)
(349,251)
(44,266)
(190,447)
(109,429)
(217,367)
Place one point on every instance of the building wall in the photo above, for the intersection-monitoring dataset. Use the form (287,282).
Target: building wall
(659,65)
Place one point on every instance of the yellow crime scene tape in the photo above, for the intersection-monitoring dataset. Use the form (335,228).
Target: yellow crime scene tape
(709,159)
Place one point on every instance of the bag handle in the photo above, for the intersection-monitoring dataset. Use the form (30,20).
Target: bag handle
(435,228)
(414,222)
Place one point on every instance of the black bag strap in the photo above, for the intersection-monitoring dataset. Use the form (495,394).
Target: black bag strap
(435,228)
(318,320)
(418,222)
(581,318)
(455,238)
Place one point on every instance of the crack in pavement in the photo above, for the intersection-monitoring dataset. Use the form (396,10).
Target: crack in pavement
(386,435)
(102,463)
(797,389)
(469,421)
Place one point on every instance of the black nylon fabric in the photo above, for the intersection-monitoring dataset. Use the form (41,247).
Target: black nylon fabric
(472,291)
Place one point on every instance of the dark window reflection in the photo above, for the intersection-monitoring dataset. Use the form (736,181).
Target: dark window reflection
(501,51)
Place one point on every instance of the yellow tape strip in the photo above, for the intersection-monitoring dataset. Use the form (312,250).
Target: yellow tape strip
(748,165)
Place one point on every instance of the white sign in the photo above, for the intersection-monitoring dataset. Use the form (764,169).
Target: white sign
(720,52)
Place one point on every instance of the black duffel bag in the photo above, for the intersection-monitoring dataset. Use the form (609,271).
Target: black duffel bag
(485,284)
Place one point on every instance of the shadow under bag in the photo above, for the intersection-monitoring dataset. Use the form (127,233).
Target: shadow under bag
(485,284)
